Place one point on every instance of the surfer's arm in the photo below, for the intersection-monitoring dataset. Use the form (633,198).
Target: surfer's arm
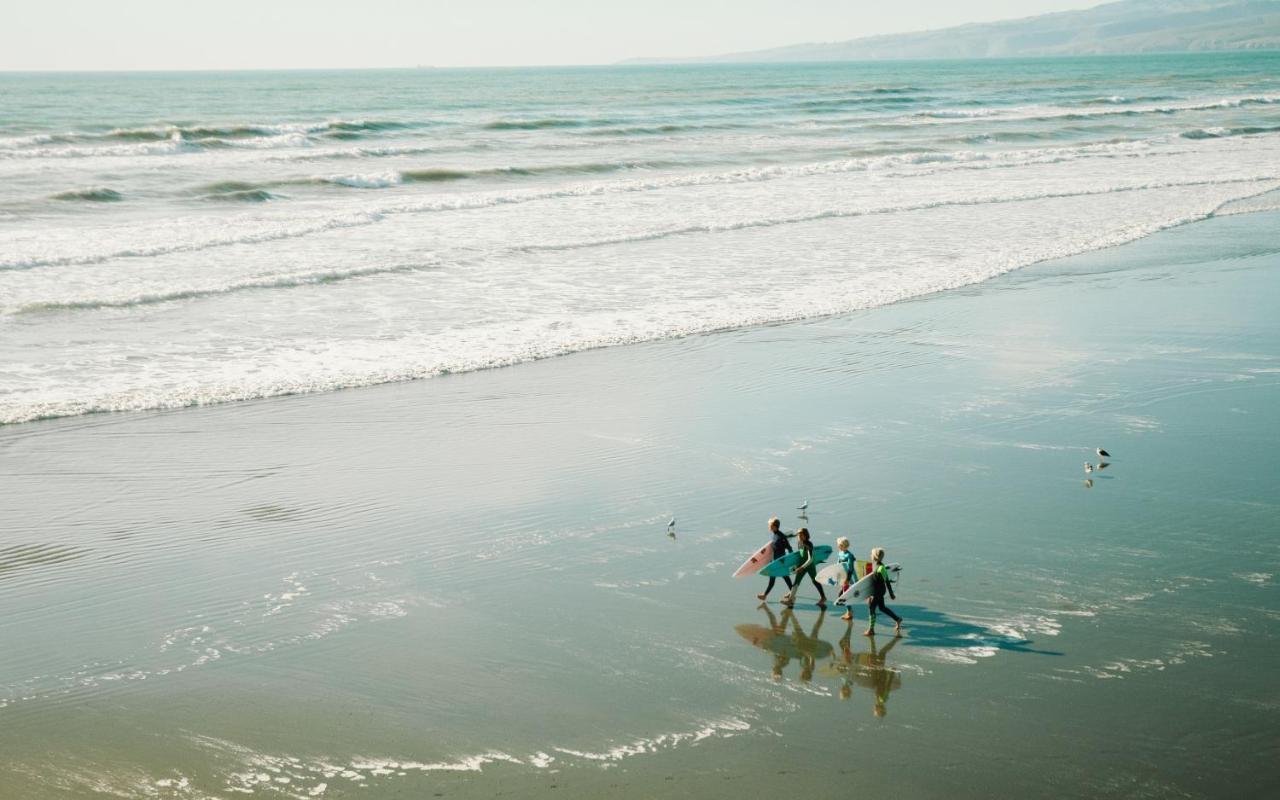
(888,584)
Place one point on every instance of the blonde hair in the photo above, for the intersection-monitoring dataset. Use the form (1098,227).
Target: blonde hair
(774,521)
(842,542)
(877,554)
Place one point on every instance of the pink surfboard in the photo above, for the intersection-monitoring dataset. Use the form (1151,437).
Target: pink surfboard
(758,560)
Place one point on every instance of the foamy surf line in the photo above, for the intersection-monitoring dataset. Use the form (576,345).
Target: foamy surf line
(404,359)
(290,280)
(257,772)
(916,165)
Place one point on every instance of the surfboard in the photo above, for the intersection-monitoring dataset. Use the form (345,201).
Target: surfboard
(790,645)
(862,589)
(783,566)
(757,561)
(831,577)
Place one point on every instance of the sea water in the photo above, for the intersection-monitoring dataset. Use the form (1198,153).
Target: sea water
(170,239)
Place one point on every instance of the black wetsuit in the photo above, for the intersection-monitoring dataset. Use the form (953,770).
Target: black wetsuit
(780,548)
(880,585)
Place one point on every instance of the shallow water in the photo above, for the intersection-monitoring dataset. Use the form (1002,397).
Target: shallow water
(182,239)
(465,586)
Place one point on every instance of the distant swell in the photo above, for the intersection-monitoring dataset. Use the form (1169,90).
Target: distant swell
(539,124)
(243,196)
(1041,114)
(1218,133)
(162,139)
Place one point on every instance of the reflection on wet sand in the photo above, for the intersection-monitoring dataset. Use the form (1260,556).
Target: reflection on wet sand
(784,645)
(868,669)
(786,640)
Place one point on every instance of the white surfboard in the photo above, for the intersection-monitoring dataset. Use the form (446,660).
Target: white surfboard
(831,578)
(862,589)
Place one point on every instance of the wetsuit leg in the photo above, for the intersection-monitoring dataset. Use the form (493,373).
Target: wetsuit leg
(889,611)
(772,581)
(878,603)
(813,576)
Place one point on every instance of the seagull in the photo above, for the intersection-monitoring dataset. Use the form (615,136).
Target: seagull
(1102,453)
(803,506)
(1088,467)
(672,524)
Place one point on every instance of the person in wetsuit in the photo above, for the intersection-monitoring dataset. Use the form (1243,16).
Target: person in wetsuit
(780,548)
(808,566)
(849,565)
(879,585)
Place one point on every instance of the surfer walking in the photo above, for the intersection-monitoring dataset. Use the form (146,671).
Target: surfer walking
(847,563)
(807,566)
(780,548)
(879,585)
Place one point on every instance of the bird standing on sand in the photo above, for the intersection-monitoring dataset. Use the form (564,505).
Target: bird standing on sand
(1102,453)
(803,507)
(1088,467)
(672,524)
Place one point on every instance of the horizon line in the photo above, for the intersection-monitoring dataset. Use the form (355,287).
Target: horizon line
(643,61)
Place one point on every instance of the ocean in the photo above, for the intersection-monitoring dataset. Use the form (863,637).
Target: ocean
(177,239)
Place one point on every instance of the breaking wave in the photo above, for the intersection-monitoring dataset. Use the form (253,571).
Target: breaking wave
(99,194)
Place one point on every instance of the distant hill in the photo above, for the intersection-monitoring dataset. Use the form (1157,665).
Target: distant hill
(1130,26)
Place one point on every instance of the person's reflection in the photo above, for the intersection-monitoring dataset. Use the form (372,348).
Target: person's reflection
(868,669)
(786,640)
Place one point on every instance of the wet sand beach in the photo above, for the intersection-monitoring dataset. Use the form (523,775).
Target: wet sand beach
(464,586)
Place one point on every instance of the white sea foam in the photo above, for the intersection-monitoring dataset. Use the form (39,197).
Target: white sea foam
(152,240)
(369,181)
(1059,112)
(256,772)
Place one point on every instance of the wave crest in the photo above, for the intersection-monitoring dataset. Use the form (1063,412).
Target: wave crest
(96,194)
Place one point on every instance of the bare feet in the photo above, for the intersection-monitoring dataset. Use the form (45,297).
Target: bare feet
(822,604)
(868,632)
(761,596)
(897,629)
(847,615)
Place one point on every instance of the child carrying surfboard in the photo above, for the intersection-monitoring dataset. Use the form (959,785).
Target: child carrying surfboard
(808,566)
(780,548)
(849,565)
(879,585)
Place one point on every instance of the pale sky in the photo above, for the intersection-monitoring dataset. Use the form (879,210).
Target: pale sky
(266,34)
